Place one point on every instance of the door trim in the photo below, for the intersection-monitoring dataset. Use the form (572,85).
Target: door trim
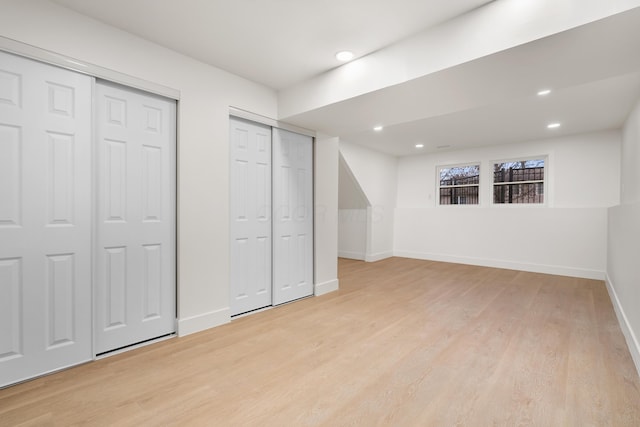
(264,120)
(63,61)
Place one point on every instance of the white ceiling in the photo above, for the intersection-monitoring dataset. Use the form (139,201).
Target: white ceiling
(274,42)
(594,70)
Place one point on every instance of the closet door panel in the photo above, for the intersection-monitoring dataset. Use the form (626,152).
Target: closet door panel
(135,250)
(293,216)
(45,218)
(250,216)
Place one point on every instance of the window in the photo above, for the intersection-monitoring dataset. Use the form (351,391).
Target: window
(520,181)
(459,185)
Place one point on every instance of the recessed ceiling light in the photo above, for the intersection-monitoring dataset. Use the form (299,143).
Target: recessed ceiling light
(344,55)
(377,128)
(419,145)
(553,125)
(440,147)
(544,92)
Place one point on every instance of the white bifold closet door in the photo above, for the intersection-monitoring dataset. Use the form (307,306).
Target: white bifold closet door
(45,218)
(292,216)
(250,213)
(135,240)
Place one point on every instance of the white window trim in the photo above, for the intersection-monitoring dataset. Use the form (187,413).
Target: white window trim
(547,196)
(456,165)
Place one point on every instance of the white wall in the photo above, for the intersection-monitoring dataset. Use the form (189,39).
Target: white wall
(352,215)
(203,174)
(352,233)
(630,172)
(623,266)
(326,157)
(350,194)
(376,173)
(567,236)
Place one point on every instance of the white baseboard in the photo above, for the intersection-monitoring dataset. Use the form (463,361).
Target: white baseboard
(351,255)
(510,265)
(201,322)
(378,257)
(326,287)
(627,330)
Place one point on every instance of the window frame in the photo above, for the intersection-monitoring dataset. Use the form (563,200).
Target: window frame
(459,165)
(545,181)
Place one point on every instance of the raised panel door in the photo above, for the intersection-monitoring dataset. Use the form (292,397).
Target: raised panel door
(135,238)
(293,216)
(45,218)
(250,216)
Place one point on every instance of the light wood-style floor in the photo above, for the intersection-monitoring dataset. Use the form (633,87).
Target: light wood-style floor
(403,343)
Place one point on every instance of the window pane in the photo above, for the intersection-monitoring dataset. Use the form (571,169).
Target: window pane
(459,175)
(459,195)
(519,193)
(524,170)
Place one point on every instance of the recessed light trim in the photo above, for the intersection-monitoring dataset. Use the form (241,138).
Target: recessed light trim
(419,145)
(378,128)
(553,125)
(344,55)
(544,92)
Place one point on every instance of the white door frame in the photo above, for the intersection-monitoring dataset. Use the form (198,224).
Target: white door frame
(69,63)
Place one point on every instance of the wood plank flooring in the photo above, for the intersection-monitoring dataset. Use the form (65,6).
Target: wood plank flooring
(402,343)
